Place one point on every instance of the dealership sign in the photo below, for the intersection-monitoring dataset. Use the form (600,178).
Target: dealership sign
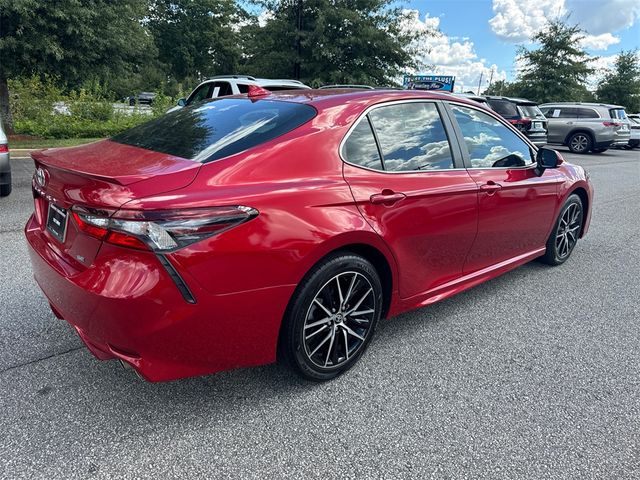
(429,82)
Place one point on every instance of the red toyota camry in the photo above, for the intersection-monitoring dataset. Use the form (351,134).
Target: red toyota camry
(250,228)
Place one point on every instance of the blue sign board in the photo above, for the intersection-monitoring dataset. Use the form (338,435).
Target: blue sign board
(429,82)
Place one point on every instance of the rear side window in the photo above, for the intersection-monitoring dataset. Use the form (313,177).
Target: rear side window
(217,128)
(361,149)
(618,113)
(503,107)
(243,88)
(412,137)
(566,112)
(587,113)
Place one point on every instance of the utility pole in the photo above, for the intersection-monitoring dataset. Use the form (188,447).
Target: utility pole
(491,77)
(480,82)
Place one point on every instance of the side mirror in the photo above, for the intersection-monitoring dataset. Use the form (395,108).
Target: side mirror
(547,158)
(182,102)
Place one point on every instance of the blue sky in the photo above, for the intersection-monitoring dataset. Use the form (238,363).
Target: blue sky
(483,35)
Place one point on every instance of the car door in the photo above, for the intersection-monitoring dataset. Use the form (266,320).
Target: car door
(409,183)
(516,207)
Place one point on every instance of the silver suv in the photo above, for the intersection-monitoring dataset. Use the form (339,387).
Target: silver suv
(224,85)
(586,127)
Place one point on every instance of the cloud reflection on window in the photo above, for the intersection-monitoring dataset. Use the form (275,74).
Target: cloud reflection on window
(412,137)
(490,143)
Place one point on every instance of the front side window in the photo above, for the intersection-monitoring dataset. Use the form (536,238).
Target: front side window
(489,142)
(567,112)
(201,93)
(412,137)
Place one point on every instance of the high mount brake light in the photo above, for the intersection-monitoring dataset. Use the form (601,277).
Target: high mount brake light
(160,230)
(257,91)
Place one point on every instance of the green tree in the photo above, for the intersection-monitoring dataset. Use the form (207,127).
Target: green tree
(505,89)
(72,40)
(325,41)
(558,69)
(621,84)
(196,39)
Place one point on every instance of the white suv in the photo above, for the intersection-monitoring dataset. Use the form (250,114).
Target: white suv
(225,85)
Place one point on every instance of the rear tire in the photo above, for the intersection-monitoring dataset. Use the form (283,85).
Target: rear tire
(565,233)
(321,337)
(580,142)
(5,190)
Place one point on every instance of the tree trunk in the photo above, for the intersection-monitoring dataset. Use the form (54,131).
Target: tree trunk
(5,111)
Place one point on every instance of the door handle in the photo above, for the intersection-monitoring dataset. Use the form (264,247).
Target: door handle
(386,197)
(490,187)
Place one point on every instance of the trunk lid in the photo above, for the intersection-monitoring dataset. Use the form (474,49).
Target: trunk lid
(101,175)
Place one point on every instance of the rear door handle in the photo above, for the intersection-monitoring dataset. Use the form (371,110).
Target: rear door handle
(386,197)
(490,187)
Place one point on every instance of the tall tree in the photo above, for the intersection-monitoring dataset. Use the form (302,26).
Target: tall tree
(72,40)
(325,41)
(558,69)
(621,84)
(196,38)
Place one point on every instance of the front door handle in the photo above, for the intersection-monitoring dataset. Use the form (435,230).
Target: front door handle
(387,197)
(490,187)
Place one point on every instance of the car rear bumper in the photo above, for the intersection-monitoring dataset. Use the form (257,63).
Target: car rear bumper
(538,139)
(603,144)
(126,306)
(5,165)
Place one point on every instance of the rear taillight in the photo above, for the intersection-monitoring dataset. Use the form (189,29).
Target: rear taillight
(521,124)
(611,124)
(4,148)
(160,230)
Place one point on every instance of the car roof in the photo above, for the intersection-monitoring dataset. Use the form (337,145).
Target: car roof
(582,104)
(328,98)
(519,101)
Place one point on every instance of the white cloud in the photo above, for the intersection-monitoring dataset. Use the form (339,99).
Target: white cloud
(449,56)
(599,42)
(518,20)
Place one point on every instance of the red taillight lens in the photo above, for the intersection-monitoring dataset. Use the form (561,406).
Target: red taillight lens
(160,230)
(4,148)
(611,124)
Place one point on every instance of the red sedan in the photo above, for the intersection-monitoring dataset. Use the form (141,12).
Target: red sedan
(250,228)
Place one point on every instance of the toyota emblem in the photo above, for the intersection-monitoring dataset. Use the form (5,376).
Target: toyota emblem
(41,177)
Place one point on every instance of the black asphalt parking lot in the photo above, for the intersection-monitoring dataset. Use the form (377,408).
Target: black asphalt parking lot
(535,374)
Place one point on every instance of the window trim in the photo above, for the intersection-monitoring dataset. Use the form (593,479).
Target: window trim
(463,146)
(456,157)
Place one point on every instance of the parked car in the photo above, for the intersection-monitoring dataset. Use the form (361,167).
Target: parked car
(524,114)
(634,124)
(245,229)
(5,166)
(476,98)
(225,85)
(142,98)
(586,127)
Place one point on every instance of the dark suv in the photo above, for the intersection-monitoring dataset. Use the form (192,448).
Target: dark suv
(524,115)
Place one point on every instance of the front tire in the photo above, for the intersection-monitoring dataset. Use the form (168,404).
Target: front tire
(580,142)
(565,233)
(332,317)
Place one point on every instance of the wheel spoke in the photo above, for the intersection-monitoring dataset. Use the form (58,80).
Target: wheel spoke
(333,336)
(351,332)
(363,312)
(339,291)
(351,285)
(321,344)
(326,310)
(316,332)
(319,322)
(346,344)
(357,305)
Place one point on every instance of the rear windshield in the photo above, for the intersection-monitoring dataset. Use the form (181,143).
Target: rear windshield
(218,128)
(618,113)
(503,107)
(530,111)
